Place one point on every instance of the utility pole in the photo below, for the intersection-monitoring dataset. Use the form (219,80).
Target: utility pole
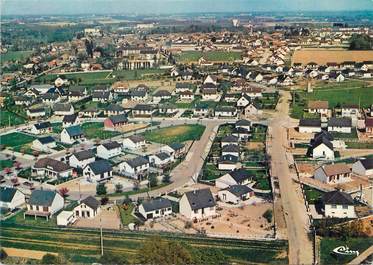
(101,239)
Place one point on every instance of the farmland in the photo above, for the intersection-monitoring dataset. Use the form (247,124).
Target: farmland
(85,244)
(174,134)
(193,56)
(324,56)
(15,55)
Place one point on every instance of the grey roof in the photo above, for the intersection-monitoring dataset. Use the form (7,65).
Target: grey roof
(53,164)
(340,122)
(42,125)
(230,139)
(239,190)
(176,146)
(162,155)
(228,159)
(367,163)
(143,107)
(121,118)
(83,155)
(310,123)
(100,166)
(101,94)
(239,175)
(337,197)
(137,161)
(322,140)
(61,106)
(156,204)
(91,202)
(112,145)
(74,130)
(231,148)
(243,123)
(162,93)
(70,118)
(7,194)
(136,138)
(114,107)
(46,139)
(42,197)
(199,199)
(138,93)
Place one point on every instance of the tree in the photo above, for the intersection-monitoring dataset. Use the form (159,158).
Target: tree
(158,251)
(101,189)
(118,188)
(153,181)
(166,178)
(361,42)
(3,254)
(113,258)
(50,259)
(104,200)
(64,191)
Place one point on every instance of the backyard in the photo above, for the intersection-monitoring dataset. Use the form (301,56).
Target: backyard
(15,139)
(175,134)
(95,130)
(15,55)
(8,118)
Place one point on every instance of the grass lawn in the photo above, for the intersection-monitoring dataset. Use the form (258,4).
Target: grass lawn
(178,134)
(30,220)
(312,195)
(15,55)
(352,135)
(9,118)
(138,74)
(83,78)
(125,215)
(261,178)
(259,133)
(94,130)
(57,127)
(357,145)
(86,243)
(328,244)
(5,164)
(15,139)
(211,172)
(193,56)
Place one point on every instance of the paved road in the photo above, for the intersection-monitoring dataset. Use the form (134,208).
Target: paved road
(297,222)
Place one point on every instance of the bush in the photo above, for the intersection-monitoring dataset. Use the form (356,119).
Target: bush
(153,181)
(113,259)
(166,179)
(50,259)
(118,188)
(3,254)
(268,215)
(104,200)
(101,189)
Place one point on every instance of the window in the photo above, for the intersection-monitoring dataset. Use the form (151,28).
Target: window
(195,211)
(157,211)
(345,206)
(334,206)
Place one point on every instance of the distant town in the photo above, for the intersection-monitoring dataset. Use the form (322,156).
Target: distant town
(204,139)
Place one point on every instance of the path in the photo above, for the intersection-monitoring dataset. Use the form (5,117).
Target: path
(297,221)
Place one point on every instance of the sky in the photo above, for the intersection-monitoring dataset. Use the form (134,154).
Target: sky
(69,7)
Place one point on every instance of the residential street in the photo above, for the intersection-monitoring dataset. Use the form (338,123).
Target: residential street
(300,247)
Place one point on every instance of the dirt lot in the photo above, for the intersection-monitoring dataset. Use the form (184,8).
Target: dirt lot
(26,253)
(255,145)
(295,135)
(324,56)
(132,127)
(110,219)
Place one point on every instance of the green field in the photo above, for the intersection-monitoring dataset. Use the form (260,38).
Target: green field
(5,164)
(9,118)
(15,139)
(337,94)
(85,244)
(175,134)
(193,56)
(16,55)
(312,195)
(328,244)
(93,130)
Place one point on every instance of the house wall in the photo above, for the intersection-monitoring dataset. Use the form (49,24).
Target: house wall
(187,211)
(156,213)
(229,197)
(57,204)
(74,162)
(17,201)
(107,154)
(84,211)
(63,221)
(323,151)
(303,129)
(338,211)
(227,166)
(128,144)
(339,129)
(359,169)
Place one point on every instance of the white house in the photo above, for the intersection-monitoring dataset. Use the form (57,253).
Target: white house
(322,148)
(62,109)
(98,171)
(11,198)
(134,142)
(235,177)
(36,113)
(41,128)
(109,150)
(333,174)
(155,208)
(228,162)
(48,167)
(319,106)
(72,134)
(44,144)
(225,112)
(235,194)
(175,150)
(243,101)
(197,204)
(82,158)
(252,109)
(160,159)
(309,125)
(87,208)
(245,124)
(363,167)
(137,167)
(338,205)
(66,218)
(44,203)
(211,79)
(70,120)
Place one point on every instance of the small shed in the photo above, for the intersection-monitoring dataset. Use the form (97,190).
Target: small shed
(65,218)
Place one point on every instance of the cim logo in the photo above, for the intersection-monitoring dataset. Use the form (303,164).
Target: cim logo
(344,250)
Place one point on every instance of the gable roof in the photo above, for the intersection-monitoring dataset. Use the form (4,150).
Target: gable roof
(176,146)
(199,199)
(70,118)
(367,163)
(42,125)
(42,197)
(100,166)
(46,140)
(229,139)
(74,130)
(162,156)
(322,140)
(239,190)
(337,197)
(53,164)
(239,175)
(91,202)
(136,138)
(340,122)
(231,148)
(331,170)
(137,161)
(112,145)
(156,204)
(318,104)
(310,123)
(121,118)
(7,194)
(84,154)
(243,122)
